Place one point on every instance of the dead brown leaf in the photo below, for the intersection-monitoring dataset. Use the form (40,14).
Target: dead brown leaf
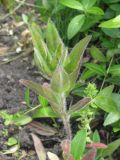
(39,147)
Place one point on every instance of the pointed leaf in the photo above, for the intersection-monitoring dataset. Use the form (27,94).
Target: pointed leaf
(96,68)
(76,54)
(111,148)
(78,144)
(104,100)
(52,37)
(96,137)
(111,118)
(79,105)
(97,54)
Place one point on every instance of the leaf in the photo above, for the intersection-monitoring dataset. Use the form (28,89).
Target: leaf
(44,112)
(76,54)
(11,141)
(86,75)
(39,147)
(112,23)
(72,4)
(60,80)
(52,37)
(96,68)
(111,118)
(79,105)
(111,148)
(12,150)
(95,10)
(115,70)
(38,40)
(96,137)
(52,156)
(27,97)
(43,101)
(97,54)
(96,145)
(88,3)
(22,120)
(75,25)
(114,80)
(41,129)
(112,32)
(78,144)
(66,149)
(104,100)
(116,98)
(90,155)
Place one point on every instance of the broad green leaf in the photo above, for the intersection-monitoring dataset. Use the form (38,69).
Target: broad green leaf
(97,54)
(76,54)
(52,37)
(96,68)
(113,23)
(78,144)
(111,148)
(104,100)
(96,137)
(88,3)
(111,118)
(44,112)
(72,4)
(115,70)
(75,25)
(95,10)
(60,80)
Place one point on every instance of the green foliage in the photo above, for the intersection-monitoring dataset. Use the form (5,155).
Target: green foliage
(11,141)
(49,52)
(78,144)
(18,118)
(87,8)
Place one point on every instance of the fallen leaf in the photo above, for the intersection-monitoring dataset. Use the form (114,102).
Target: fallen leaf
(12,149)
(52,156)
(41,129)
(39,147)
